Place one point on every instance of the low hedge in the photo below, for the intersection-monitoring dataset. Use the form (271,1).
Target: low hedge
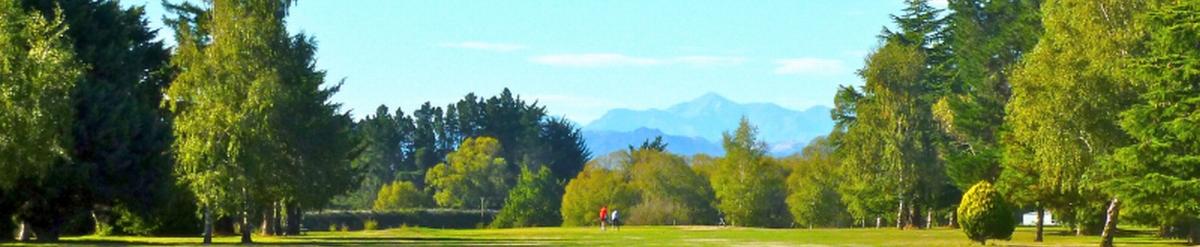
(433,218)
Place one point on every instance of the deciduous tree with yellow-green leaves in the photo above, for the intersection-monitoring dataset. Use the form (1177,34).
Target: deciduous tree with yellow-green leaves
(38,72)
(749,184)
(473,176)
(593,188)
(1067,95)
(253,127)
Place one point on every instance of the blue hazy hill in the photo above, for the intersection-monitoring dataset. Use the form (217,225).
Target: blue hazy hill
(696,126)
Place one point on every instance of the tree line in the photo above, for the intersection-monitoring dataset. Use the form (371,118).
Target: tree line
(420,149)
(1083,108)
(108,131)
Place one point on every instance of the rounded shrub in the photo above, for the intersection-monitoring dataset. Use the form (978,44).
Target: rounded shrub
(401,195)
(983,215)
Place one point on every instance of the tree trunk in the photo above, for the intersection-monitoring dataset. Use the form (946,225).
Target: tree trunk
(1110,225)
(225,225)
(245,227)
(294,215)
(1194,233)
(246,218)
(900,215)
(270,223)
(1041,213)
(48,233)
(953,222)
(208,225)
(929,219)
(914,219)
(266,223)
(1163,231)
(24,234)
(102,218)
(276,222)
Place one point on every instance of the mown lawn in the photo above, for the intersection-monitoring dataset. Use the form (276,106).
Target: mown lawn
(637,236)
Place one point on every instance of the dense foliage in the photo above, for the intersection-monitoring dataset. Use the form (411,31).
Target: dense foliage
(396,146)
(1155,175)
(812,186)
(534,201)
(38,71)
(121,136)
(1062,105)
(279,143)
(595,187)
(888,149)
(671,193)
(474,176)
(748,184)
(401,195)
(984,215)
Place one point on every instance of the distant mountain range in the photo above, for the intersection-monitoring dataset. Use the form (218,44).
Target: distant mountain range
(696,126)
(603,142)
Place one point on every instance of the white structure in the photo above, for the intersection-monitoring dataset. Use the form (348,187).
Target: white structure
(1030,218)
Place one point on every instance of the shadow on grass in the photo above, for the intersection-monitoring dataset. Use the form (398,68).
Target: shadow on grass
(339,241)
(1149,242)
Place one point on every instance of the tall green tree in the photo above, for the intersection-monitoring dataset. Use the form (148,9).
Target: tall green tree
(1155,175)
(812,186)
(382,155)
(313,140)
(563,149)
(225,99)
(890,130)
(425,137)
(748,184)
(1067,95)
(38,72)
(121,135)
(889,145)
(671,193)
(534,201)
(986,39)
(517,125)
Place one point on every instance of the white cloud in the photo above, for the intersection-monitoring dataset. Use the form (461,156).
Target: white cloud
(581,109)
(594,60)
(485,46)
(616,60)
(709,60)
(808,66)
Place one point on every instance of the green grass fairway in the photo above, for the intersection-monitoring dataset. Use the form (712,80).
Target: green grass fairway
(638,236)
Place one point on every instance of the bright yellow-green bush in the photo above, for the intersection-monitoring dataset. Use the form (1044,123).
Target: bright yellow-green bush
(595,187)
(984,215)
(370,225)
(401,195)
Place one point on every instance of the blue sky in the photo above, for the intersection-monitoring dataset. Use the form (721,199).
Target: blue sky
(582,58)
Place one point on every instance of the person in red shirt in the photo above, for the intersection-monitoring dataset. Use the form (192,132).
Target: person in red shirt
(603,216)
